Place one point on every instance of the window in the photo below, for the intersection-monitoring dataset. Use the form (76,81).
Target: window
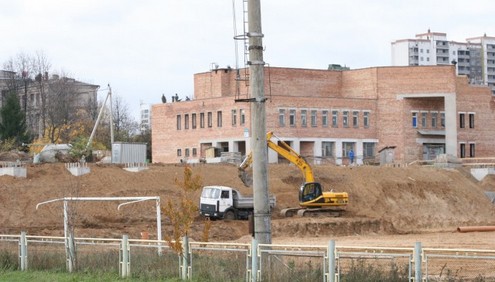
(193,120)
(335,118)
(346,147)
(434,120)
(427,50)
(186,121)
(327,149)
(292,117)
(210,119)
(462,122)
(194,152)
(187,152)
(345,118)
(313,118)
(179,152)
(368,150)
(427,59)
(463,150)
(355,118)
(303,118)
(202,120)
(414,120)
(366,119)
(423,119)
(324,118)
(179,122)
(471,150)
(442,120)
(234,117)
(281,117)
(242,117)
(219,119)
(471,120)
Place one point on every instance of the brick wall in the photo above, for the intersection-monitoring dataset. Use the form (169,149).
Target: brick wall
(375,91)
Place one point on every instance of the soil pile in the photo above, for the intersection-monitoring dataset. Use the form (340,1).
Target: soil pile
(383,200)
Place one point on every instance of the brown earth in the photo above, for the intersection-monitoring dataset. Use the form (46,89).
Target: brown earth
(388,206)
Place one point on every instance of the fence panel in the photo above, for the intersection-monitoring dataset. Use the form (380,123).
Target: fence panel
(97,255)
(219,261)
(46,253)
(292,263)
(9,252)
(458,265)
(154,260)
(374,264)
(146,263)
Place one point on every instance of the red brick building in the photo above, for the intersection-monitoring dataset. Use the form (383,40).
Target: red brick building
(415,113)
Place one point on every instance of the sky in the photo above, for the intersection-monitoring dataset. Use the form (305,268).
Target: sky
(147,48)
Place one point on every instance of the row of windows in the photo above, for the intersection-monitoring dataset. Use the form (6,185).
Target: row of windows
(192,119)
(462,149)
(328,149)
(349,118)
(434,120)
(424,119)
(187,152)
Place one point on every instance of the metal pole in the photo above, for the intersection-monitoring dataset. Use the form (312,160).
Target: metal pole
(159,226)
(254,260)
(331,261)
(102,110)
(262,217)
(111,115)
(125,256)
(23,251)
(66,236)
(185,257)
(417,262)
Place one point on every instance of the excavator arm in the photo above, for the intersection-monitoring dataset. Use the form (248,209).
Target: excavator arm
(311,193)
(283,149)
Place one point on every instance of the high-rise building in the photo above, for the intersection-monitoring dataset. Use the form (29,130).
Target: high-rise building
(474,58)
(145,117)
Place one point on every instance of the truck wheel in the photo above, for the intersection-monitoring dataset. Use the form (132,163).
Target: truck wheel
(229,215)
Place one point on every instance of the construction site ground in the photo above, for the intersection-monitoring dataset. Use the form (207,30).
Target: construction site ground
(389,206)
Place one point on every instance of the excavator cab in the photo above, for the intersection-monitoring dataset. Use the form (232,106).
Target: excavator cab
(310,191)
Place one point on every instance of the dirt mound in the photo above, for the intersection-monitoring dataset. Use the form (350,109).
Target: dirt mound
(382,200)
(13,156)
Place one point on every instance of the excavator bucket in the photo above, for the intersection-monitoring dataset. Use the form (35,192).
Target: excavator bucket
(246,178)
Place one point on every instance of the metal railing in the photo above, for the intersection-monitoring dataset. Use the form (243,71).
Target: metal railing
(216,261)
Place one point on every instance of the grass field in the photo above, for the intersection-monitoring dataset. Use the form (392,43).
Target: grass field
(42,276)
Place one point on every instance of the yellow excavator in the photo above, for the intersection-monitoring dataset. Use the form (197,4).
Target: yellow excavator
(312,199)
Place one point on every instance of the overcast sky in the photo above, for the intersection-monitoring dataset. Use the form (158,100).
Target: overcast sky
(148,47)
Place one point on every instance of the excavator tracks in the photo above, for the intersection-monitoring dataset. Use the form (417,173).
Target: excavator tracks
(313,212)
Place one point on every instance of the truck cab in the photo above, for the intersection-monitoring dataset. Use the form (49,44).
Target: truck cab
(215,201)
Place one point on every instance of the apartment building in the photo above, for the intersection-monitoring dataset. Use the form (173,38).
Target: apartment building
(474,58)
(45,90)
(415,112)
(145,117)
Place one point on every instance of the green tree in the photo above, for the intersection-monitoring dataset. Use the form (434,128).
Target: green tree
(13,120)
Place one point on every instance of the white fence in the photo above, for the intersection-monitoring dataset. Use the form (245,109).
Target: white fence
(216,261)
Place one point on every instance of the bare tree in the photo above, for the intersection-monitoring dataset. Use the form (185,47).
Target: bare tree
(124,125)
(60,109)
(28,74)
(41,67)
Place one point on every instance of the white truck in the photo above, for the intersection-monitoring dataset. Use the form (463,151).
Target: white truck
(221,202)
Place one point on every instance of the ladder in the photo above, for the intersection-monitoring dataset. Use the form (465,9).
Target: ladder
(243,75)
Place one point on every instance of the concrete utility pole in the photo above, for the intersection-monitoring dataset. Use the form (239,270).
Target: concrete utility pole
(262,216)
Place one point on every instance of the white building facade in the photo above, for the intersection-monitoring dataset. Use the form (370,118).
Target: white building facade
(145,117)
(474,58)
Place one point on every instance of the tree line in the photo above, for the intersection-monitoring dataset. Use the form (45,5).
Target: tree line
(39,107)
